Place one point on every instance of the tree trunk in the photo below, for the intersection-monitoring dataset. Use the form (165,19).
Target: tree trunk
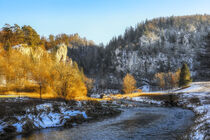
(40,91)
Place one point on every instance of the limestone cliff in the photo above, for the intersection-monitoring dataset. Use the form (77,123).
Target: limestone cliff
(60,53)
(35,53)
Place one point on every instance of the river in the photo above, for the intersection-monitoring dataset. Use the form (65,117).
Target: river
(143,123)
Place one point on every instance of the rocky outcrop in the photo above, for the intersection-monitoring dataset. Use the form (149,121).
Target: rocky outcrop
(160,51)
(35,53)
(60,53)
(151,38)
(23,48)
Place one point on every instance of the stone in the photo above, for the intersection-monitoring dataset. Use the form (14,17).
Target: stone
(60,53)
(10,129)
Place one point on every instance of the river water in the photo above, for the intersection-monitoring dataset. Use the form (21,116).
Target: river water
(145,123)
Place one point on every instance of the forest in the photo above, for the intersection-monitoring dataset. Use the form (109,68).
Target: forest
(160,45)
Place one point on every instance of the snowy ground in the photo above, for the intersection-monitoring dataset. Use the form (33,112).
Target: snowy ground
(146,100)
(40,116)
(196,87)
(197,98)
(24,115)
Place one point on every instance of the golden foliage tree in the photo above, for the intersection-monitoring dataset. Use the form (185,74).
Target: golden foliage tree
(167,80)
(129,84)
(62,79)
(67,81)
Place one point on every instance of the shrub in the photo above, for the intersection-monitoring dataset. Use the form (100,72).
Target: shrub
(129,84)
(167,80)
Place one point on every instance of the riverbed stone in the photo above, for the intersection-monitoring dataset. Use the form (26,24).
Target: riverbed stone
(9,129)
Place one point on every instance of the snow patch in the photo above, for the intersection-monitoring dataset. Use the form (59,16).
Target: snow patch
(145,88)
(192,88)
(18,127)
(146,100)
(45,118)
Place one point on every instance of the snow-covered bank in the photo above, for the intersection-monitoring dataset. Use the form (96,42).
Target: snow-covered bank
(146,100)
(197,98)
(20,116)
(38,117)
(200,104)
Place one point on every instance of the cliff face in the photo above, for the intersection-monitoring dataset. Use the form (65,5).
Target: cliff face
(59,52)
(160,45)
(35,53)
(155,55)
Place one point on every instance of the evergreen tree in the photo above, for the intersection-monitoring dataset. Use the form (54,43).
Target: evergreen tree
(31,37)
(185,78)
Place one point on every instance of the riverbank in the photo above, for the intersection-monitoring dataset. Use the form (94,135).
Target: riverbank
(24,115)
(197,98)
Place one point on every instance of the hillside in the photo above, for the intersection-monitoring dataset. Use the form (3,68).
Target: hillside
(157,45)
(153,46)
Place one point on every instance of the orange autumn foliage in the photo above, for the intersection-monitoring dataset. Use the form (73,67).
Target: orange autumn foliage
(63,80)
(129,84)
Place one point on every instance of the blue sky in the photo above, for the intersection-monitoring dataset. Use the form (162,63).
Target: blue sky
(98,20)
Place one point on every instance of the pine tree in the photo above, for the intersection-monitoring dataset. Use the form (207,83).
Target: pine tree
(31,37)
(185,78)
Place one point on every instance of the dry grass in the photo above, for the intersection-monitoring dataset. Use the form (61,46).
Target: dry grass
(49,95)
(84,98)
(130,95)
(12,94)
(13,87)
